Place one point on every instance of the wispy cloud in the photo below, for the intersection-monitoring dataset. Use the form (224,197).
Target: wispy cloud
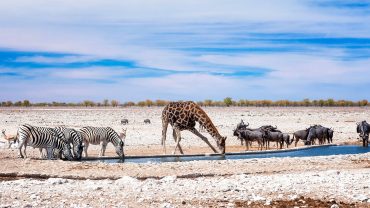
(184,49)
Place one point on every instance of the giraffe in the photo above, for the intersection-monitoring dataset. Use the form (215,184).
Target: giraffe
(182,116)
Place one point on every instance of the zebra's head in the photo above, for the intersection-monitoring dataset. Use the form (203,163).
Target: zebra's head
(77,151)
(77,146)
(67,151)
(119,149)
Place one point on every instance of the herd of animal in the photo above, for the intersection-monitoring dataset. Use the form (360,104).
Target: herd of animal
(71,143)
(65,141)
(267,133)
(125,121)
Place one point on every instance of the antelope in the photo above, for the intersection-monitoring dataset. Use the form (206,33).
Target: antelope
(10,138)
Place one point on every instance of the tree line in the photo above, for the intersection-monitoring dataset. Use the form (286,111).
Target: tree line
(211,103)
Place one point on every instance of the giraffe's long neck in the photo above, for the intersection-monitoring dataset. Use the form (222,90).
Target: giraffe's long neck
(206,122)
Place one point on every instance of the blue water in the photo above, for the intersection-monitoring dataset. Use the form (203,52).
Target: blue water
(310,152)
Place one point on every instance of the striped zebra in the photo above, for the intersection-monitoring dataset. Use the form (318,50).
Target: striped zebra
(73,137)
(60,135)
(102,135)
(42,137)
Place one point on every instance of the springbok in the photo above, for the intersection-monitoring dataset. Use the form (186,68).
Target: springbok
(9,138)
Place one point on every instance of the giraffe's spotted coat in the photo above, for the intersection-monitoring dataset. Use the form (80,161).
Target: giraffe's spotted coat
(183,116)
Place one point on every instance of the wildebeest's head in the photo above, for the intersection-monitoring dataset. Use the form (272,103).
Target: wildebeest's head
(241,125)
(236,132)
(363,128)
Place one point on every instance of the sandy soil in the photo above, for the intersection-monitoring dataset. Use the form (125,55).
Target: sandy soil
(275,182)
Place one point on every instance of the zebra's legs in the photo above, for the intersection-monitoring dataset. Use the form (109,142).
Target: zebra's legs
(41,153)
(103,147)
(85,148)
(20,151)
(20,145)
(24,151)
(49,151)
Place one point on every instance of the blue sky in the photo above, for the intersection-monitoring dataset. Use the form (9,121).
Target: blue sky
(184,50)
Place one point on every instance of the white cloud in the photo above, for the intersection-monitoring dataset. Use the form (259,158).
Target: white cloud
(306,68)
(154,33)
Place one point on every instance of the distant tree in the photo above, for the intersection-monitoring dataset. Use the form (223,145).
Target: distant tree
(321,102)
(228,101)
(283,103)
(340,103)
(208,102)
(141,103)
(149,103)
(106,102)
(330,102)
(161,102)
(315,102)
(87,103)
(200,103)
(267,103)
(220,103)
(362,103)
(241,103)
(114,103)
(26,103)
(129,104)
(306,102)
(18,103)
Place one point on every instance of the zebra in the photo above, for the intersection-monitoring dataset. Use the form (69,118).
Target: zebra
(42,137)
(103,135)
(59,134)
(73,137)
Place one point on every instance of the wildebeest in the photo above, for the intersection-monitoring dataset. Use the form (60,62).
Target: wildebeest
(300,135)
(317,132)
(363,128)
(241,126)
(286,139)
(274,136)
(330,135)
(250,136)
(147,121)
(124,121)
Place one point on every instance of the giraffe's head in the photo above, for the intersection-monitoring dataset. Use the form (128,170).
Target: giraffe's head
(221,144)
